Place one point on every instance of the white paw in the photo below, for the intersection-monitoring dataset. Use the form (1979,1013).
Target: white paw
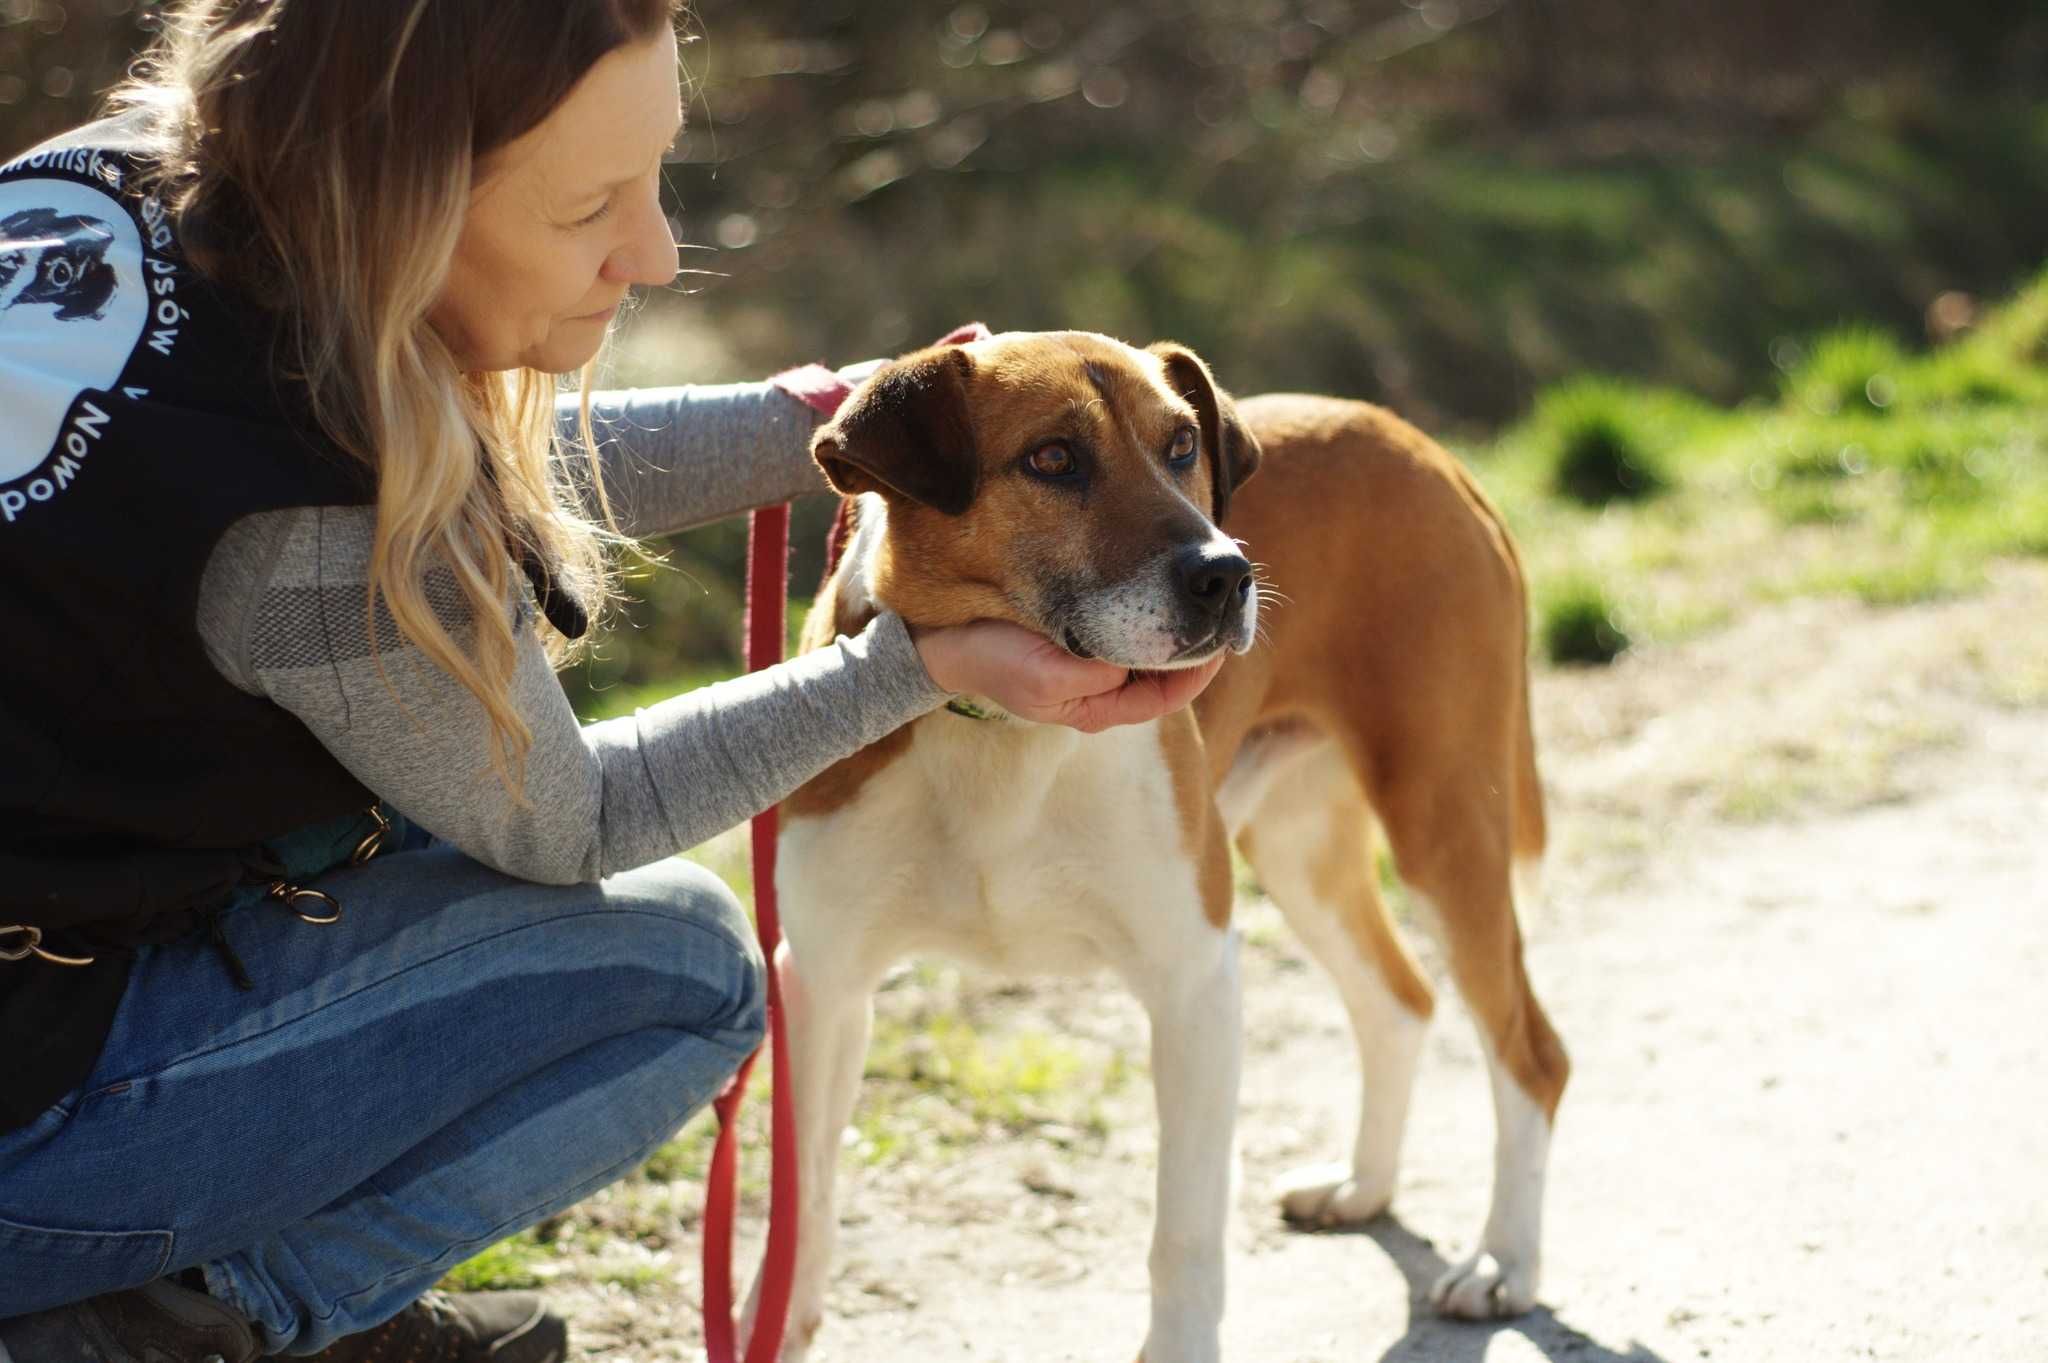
(1193,1346)
(1326,1196)
(1484,1288)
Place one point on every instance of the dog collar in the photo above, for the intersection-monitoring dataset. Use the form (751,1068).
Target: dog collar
(960,705)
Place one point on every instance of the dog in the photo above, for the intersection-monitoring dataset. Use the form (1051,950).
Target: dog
(1102,496)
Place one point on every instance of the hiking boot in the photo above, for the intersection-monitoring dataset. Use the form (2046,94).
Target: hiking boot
(455,1327)
(160,1322)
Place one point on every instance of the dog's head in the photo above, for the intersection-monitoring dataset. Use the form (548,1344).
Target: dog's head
(1063,481)
(57,259)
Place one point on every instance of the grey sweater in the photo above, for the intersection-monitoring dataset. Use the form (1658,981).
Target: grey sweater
(281,613)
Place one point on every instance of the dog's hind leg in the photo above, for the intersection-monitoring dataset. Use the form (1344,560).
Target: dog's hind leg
(1311,841)
(1196,1021)
(830,1014)
(1452,840)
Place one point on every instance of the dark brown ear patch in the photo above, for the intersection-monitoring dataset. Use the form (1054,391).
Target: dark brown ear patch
(1233,452)
(906,432)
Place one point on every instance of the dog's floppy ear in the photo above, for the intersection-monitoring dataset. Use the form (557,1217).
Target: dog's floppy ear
(1233,451)
(906,431)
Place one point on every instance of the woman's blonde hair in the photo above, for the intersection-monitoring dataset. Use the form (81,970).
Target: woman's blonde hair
(317,156)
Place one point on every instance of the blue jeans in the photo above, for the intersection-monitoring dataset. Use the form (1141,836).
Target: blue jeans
(460,1056)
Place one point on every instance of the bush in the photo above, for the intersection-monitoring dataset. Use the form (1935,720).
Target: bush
(1854,369)
(1579,625)
(1600,449)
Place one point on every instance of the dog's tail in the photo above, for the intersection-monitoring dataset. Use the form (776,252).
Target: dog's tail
(1530,833)
(1531,829)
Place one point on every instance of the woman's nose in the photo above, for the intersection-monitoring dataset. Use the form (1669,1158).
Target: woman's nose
(647,256)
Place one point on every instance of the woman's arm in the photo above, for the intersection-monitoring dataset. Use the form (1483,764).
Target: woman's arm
(603,797)
(673,458)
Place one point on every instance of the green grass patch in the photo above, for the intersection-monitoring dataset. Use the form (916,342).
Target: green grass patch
(1577,624)
(635,1276)
(1852,370)
(1928,575)
(1892,492)
(1013,1082)
(935,1085)
(508,1265)
(1603,443)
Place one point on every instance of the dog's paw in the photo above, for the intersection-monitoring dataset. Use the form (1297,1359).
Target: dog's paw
(1485,1288)
(1328,1196)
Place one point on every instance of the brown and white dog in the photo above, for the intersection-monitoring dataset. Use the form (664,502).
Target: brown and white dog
(1083,488)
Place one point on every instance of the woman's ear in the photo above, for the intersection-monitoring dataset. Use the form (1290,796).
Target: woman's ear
(906,433)
(1233,451)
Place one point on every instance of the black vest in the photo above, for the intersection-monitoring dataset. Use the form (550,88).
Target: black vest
(140,416)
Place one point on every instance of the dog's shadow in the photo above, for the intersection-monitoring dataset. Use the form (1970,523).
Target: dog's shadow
(1432,1338)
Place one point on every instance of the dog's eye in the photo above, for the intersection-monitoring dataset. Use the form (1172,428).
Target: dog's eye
(1051,461)
(1183,447)
(61,273)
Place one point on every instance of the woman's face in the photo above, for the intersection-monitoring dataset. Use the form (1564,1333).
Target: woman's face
(565,219)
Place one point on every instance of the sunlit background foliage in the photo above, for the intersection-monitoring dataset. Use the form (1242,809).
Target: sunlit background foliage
(1445,205)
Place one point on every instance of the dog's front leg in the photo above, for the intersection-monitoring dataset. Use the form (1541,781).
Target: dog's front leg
(1195,1015)
(829,1016)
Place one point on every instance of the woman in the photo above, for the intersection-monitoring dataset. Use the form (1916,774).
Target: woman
(280,462)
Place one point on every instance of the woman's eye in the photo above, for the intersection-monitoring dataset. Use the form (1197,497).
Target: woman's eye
(603,211)
(1051,461)
(1183,447)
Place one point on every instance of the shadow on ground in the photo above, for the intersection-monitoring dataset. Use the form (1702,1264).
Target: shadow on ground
(1431,1338)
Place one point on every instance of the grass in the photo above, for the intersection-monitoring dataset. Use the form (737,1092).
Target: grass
(1578,623)
(1604,442)
(1847,761)
(936,1081)
(1877,471)
(1853,370)
(507,1265)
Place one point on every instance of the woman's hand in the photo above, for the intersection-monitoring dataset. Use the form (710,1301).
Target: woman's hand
(1034,678)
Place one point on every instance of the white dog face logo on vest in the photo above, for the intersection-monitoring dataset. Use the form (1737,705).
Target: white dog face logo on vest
(72,308)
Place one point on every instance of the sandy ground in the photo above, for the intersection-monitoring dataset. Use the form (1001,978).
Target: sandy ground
(1795,934)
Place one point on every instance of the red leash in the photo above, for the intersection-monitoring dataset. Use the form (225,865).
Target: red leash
(767,592)
(767,599)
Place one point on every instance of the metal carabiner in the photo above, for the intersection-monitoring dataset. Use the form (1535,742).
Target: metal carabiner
(373,841)
(289,895)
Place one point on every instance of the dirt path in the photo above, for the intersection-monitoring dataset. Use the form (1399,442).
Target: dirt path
(1796,936)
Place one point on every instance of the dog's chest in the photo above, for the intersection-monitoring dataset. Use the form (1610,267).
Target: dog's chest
(1022,848)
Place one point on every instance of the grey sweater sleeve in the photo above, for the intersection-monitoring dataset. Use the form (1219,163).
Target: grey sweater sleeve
(673,458)
(281,611)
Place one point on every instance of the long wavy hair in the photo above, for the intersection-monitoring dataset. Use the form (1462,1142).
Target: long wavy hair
(318,157)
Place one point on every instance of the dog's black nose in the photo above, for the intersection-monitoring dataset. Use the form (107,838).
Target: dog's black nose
(1213,581)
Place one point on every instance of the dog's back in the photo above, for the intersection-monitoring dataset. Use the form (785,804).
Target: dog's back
(1394,596)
